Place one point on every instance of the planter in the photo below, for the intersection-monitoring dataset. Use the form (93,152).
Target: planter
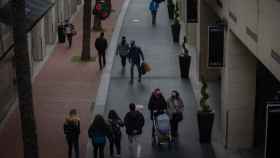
(176,31)
(170,8)
(184,62)
(205,124)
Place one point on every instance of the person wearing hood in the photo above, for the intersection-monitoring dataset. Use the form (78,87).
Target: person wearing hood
(134,122)
(72,131)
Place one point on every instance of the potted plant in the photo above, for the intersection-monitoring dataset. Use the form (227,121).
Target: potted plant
(175,27)
(205,116)
(170,8)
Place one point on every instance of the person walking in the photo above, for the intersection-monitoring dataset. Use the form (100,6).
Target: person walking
(135,55)
(134,122)
(123,50)
(101,46)
(153,9)
(69,30)
(157,105)
(175,108)
(72,132)
(98,132)
(115,123)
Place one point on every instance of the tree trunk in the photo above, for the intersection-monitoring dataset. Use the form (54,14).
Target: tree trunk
(97,24)
(23,77)
(86,31)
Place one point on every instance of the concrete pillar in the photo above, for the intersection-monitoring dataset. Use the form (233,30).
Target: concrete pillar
(238,94)
(73,6)
(38,41)
(29,43)
(49,23)
(66,9)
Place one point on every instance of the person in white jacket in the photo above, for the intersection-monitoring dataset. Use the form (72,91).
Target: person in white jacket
(175,108)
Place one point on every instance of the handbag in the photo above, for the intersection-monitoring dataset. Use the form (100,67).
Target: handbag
(178,116)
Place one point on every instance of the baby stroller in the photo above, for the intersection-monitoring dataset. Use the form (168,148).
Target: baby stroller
(161,128)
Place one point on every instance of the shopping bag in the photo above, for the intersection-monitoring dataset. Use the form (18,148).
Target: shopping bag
(147,67)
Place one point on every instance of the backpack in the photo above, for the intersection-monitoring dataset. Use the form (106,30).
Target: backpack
(116,128)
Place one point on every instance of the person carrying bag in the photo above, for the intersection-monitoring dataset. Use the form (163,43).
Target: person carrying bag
(175,108)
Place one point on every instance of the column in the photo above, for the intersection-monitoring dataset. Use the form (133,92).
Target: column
(238,94)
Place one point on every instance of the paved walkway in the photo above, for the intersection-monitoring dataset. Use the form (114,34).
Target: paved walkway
(161,53)
(61,85)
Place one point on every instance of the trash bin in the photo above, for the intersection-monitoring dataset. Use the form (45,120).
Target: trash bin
(60,33)
(184,62)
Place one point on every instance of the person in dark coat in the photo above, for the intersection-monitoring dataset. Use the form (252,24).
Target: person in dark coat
(116,123)
(157,102)
(157,105)
(98,132)
(101,45)
(134,122)
(123,50)
(135,56)
(72,131)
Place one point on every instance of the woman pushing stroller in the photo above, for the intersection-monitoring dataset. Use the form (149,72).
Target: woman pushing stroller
(157,105)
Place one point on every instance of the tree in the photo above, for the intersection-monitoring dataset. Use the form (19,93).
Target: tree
(86,31)
(23,77)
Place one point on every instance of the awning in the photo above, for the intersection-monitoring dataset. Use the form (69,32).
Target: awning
(35,10)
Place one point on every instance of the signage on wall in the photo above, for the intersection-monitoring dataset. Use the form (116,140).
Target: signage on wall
(272,136)
(215,46)
(192,11)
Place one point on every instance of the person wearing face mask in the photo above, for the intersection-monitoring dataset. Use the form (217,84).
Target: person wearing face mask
(175,108)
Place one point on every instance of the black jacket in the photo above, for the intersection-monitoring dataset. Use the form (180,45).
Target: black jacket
(71,128)
(116,125)
(134,121)
(135,55)
(101,44)
(158,104)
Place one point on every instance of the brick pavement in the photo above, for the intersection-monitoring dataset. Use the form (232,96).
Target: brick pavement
(60,86)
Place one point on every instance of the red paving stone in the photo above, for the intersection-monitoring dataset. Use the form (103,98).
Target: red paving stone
(60,86)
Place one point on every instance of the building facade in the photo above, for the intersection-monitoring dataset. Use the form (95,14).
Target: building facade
(250,72)
(42,37)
